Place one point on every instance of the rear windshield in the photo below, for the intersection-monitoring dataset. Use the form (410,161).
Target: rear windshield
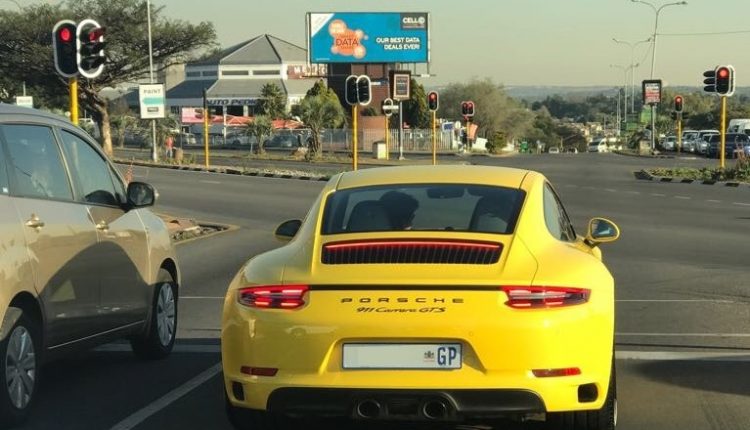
(423,207)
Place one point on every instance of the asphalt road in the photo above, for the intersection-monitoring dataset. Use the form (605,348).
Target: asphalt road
(681,266)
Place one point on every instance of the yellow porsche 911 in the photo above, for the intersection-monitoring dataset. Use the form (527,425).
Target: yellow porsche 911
(448,294)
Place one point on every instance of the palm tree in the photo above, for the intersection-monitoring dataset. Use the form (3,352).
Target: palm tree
(260,127)
(319,112)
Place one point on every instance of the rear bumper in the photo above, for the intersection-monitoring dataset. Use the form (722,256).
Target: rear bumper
(445,405)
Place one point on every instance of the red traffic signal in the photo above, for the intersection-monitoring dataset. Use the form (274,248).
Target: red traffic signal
(433,101)
(64,48)
(90,46)
(678,101)
(725,80)
(467,109)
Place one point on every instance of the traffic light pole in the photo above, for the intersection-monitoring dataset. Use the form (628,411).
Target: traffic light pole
(679,132)
(206,123)
(723,130)
(355,144)
(387,138)
(74,100)
(434,140)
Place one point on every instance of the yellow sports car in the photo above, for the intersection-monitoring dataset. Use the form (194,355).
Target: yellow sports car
(448,294)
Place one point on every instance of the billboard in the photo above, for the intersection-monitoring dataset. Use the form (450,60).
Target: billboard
(359,37)
(652,92)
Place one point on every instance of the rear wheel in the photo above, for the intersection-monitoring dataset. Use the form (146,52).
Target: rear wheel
(158,340)
(20,374)
(602,419)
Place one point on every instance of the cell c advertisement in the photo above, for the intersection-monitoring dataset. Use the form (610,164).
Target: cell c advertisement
(368,37)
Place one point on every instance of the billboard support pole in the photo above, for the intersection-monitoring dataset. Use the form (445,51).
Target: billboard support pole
(401,130)
(653,127)
(387,139)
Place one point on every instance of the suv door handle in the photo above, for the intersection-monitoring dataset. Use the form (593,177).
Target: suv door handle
(102,226)
(35,222)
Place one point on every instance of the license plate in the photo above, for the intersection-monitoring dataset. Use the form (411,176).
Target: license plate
(402,356)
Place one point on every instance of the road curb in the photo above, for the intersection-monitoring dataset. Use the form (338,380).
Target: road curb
(630,154)
(646,176)
(225,170)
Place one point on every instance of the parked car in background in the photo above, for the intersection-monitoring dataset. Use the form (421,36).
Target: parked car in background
(283,141)
(598,146)
(84,260)
(701,142)
(734,141)
(669,143)
(554,150)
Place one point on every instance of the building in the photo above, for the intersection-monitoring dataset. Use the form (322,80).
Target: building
(233,78)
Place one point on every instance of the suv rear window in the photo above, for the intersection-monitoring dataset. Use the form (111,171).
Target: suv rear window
(423,207)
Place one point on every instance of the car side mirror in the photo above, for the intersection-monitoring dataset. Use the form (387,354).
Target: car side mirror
(141,195)
(602,230)
(287,230)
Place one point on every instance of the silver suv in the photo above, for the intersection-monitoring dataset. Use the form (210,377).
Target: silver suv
(84,261)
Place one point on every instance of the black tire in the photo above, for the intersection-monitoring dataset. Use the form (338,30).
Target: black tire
(602,419)
(151,345)
(11,412)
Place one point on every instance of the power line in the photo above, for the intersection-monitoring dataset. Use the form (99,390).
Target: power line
(710,33)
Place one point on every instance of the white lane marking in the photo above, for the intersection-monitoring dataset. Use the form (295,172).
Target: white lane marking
(683,197)
(682,356)
(571,186)
(169,398)
(658,195)
(741,204)
(589,187)
(632,192)
(714,201)
(725,335)
(203,181)
(611,190)
(677,301)
(201,298)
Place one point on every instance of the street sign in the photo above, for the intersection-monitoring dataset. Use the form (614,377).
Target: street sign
(151,97)
(400,85)
(25,101)
(652,92)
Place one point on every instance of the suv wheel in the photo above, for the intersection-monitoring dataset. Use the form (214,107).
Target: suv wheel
(157,342)
(20,373)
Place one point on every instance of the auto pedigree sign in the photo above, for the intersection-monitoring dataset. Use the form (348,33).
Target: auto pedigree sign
(358,37)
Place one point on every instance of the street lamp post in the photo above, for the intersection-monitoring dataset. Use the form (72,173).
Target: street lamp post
(625,70)
(633,66)
(154,151)
(657,11)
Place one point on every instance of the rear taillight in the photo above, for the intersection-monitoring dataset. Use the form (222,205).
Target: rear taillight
(545,297)
(552,373)
(273,296)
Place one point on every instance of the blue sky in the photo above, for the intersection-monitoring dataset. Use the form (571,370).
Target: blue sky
(520,42)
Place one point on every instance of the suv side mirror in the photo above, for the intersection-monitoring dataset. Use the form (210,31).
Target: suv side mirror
(141,195)
(287,230)
(602,230)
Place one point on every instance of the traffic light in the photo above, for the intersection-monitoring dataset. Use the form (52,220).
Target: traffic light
(364,94)
(678,103)
(64,48)
(350,90)
(90,44)
(725,80)
(432,101)
(710,81)
(467,109)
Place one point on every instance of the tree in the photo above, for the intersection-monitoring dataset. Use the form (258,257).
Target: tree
(260,127)
(272,101)
(319,112)
(416,113)
(26,48)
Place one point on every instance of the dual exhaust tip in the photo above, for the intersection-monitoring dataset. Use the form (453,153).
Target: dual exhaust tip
(432,410)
